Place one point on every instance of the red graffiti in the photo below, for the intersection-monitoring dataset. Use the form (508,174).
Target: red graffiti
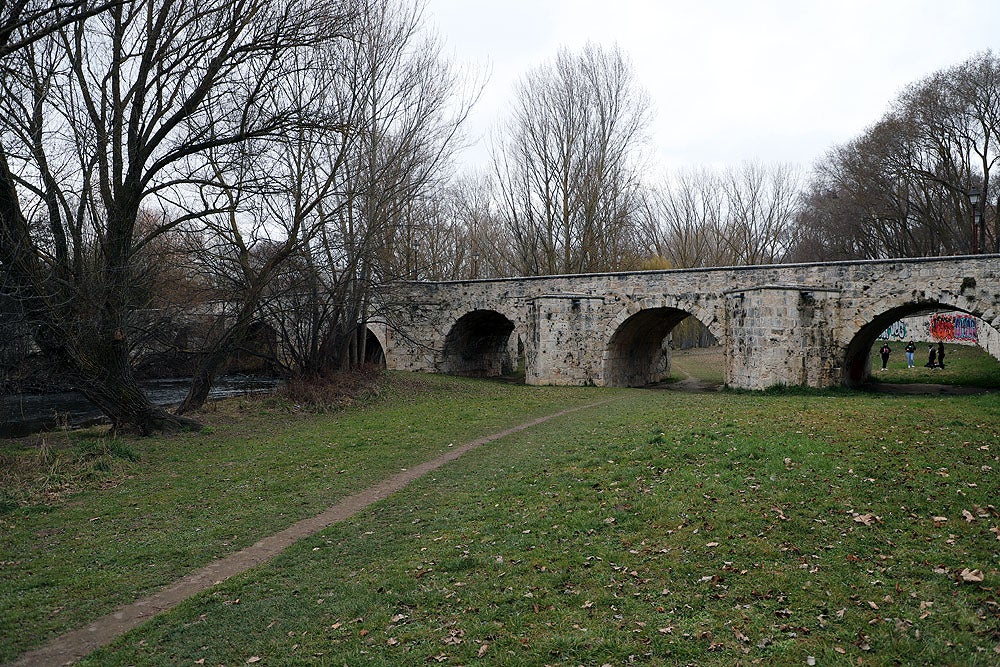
(954,327)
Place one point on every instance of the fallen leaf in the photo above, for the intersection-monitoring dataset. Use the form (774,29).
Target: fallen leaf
(712,544)
(840,650)
(454,637)
(253,659)
(971,575)
(968,516)
(939,520)
(483,649)
(866,519)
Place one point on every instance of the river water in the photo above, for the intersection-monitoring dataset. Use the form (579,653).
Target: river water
(22,414)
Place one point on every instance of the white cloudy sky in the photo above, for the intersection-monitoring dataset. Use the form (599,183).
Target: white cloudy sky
(731,80)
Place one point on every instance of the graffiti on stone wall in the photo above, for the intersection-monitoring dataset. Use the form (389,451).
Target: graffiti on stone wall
(954,327)
(896,331)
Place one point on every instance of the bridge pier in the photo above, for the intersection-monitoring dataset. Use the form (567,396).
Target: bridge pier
(781,335)
(565,331)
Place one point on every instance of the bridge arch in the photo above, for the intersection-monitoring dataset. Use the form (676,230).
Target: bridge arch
(479,344)
(636,353)
(877,317)
(375,344)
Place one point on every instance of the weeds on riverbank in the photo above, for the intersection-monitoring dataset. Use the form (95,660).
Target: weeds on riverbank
(336,391)
(36,473)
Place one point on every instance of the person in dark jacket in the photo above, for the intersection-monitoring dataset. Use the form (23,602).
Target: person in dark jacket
(940,359)
(931,357)
(911,349)
(884,353)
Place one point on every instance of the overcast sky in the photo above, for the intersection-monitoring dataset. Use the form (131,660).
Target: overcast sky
(731,80)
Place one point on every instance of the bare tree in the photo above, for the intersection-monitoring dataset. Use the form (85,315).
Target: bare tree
(760,204)
(743,215)
(683,220)
(566,165)
(24,22)
(900,189)
(402,105)
(107,115)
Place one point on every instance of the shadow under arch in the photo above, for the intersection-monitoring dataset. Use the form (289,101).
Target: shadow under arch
(857,358)
(638,353)
(374,352)
(478,345)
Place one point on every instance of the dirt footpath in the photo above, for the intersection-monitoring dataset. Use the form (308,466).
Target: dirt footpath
(73,646)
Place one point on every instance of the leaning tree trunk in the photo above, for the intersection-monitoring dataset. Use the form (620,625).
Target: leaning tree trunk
(103,366)
(202,381)
(216,356)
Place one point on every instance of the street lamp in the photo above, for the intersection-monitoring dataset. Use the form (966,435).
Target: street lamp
(973,195)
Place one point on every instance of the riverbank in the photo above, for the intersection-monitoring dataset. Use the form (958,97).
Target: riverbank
(23,414)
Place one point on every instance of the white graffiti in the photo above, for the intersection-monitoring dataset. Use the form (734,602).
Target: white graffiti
(896,331)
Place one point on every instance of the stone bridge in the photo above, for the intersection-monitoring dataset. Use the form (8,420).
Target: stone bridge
(796,324)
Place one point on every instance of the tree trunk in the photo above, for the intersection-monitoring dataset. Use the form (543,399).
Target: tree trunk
(202,381)
(107,380)
(217,354)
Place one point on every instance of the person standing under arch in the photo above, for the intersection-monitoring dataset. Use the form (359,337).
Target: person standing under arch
(884,353)
(911,349)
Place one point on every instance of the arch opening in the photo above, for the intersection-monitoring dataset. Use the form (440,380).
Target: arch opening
(374,352)
(478,345)
(639,351)
(858,358)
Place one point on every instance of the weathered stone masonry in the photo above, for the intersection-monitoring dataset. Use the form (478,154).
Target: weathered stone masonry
(803,324)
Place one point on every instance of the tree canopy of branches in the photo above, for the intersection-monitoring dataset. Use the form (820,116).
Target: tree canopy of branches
(567,165)
(901,188)
(401,105)
(741,215)
(114,112)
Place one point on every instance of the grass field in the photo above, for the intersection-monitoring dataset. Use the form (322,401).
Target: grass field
(705,364)
(711,529)
(965,365)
